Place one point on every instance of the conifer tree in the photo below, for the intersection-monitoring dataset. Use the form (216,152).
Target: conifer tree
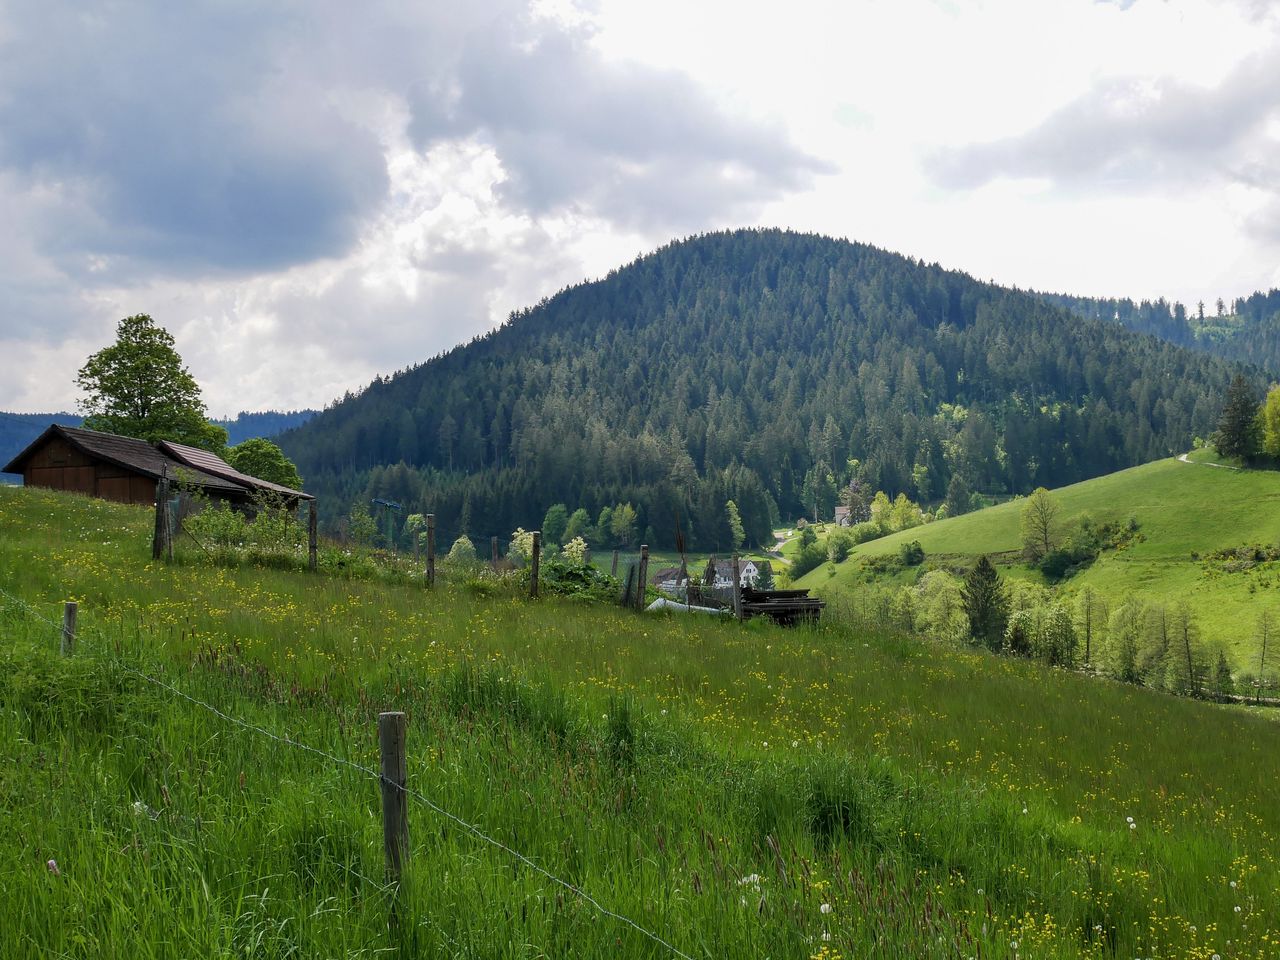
(1238,433)
(985,604)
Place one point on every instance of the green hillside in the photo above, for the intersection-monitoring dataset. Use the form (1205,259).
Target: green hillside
(740,791)
(1185,512)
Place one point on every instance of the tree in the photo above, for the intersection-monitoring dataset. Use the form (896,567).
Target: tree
(1039,524)
(737,535)
(1270,418)
(259,457)
(554,524)
(1223,684)
(958,494)
(984,604)
(1265,630)
(361,527)
(416,525)
(1092,615)
(138,387)
(1186,663)
(623,524)
(1124,629)
(1238,434)
(857,497)
(579,526)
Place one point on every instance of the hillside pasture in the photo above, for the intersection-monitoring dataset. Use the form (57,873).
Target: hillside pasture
(718,783)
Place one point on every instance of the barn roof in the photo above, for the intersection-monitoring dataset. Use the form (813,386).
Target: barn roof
(211,463)
(126,452)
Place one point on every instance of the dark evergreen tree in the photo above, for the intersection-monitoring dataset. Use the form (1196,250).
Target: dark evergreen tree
(1238,433)
(985,604)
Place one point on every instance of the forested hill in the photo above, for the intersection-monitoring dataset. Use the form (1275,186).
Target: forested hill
(754,366)
(1247,330)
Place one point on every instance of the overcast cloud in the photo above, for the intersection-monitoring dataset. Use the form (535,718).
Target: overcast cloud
(307,194)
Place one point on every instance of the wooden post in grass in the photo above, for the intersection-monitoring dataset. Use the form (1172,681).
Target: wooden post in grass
(69,628)
(613,571)
(627,599)
(312,542)
(737,587)
(493,552)
(162,525)
(534,563)
(642,581)
(431,549)
(395,802)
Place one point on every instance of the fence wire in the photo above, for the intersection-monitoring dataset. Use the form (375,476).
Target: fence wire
(421,798)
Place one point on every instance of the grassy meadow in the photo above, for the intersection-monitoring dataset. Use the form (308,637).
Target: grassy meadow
(739,790)
(1185,512)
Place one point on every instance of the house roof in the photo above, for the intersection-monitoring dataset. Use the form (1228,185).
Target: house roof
(126,452)
(213,464)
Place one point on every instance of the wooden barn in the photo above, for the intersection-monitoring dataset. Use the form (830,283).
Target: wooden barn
(126,469)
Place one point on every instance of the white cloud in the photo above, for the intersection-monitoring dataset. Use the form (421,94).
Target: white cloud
(331,192)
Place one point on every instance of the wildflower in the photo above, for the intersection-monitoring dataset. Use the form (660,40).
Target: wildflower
(1128,819)
(1237,909)
(1133,826)
(1233,884)
(825,908)
(753,879)
(52,866)
(1014,944)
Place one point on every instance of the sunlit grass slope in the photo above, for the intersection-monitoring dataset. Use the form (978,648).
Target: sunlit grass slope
(718,783)
(1181,508)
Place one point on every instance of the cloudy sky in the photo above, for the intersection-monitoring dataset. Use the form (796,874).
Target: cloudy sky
(307,194)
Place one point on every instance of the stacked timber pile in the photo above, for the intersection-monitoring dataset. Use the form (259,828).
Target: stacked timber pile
(787,607)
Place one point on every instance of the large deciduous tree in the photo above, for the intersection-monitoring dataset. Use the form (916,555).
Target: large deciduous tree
(1039,524)
(138,387)
(1238,434)
(261,458)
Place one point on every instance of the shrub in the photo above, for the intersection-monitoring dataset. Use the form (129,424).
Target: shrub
(911,554)
(839,543)
(810,557)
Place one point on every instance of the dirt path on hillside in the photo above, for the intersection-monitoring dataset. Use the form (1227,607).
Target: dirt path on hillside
(1221,466)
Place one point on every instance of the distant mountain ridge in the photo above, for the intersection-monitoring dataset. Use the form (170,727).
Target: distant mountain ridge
(1247,330)
(756,365)
(19,429)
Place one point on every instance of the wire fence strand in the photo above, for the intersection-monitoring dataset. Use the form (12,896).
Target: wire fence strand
(421,798)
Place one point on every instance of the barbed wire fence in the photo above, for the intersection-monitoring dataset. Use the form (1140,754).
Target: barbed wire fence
(105,648)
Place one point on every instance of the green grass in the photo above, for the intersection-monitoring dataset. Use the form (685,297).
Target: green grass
(945,803)
(1181,508)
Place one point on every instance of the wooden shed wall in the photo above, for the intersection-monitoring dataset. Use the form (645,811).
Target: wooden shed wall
(60,466)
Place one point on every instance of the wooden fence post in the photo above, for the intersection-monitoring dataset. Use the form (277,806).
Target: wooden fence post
(534,564)
(69,627)
(642,581)
(493,552)
(431,549)
(737,587)
(162,522)
(613,572)
(312,542)
(395,802)
(627,599)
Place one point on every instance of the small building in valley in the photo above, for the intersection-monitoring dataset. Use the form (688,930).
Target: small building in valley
(670,582)
(126,469)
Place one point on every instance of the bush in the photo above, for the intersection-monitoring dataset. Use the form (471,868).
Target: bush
(911,554)
(862,532)
(810,557)
(839,543)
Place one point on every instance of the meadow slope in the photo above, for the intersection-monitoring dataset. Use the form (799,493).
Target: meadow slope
(744,791)
(1185,512)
